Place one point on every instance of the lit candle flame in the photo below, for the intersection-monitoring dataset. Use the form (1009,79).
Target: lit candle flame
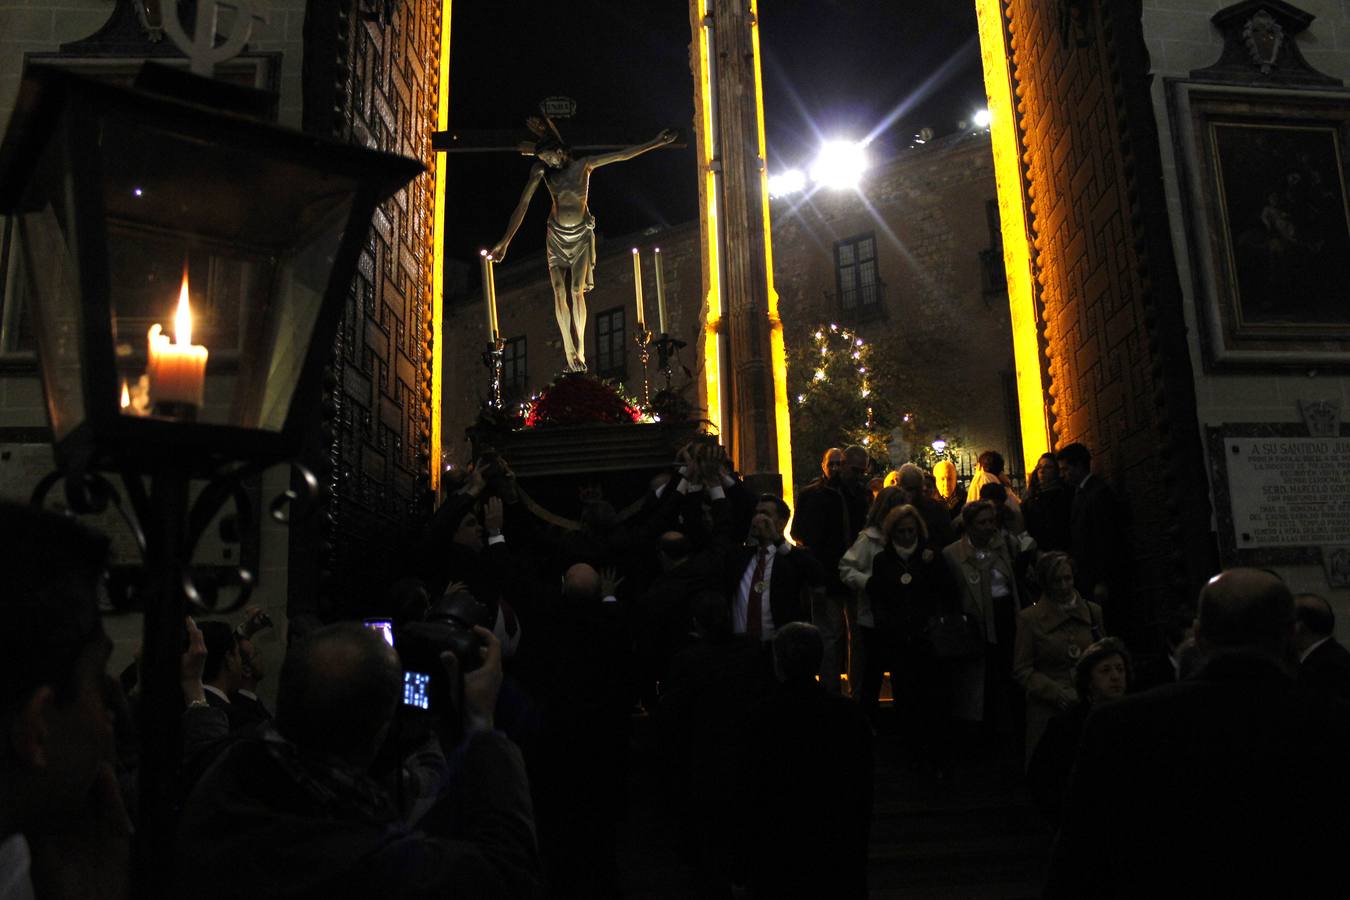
(182,320)
(126,394)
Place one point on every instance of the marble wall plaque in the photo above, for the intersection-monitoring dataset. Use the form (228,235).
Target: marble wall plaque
(1288,491)
(1281,494)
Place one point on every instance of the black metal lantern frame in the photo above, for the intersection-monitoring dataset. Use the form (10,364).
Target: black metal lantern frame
(114,190)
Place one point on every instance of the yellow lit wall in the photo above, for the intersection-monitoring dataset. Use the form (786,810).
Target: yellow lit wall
(438,248)
(712,350)
(776,347)
(1012,211)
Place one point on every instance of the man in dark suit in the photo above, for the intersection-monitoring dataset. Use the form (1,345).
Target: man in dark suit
(827,510)
(1323,662)
(221,676)
(769,580)
(808,804)
(1210,787)
(1097,537)
(248,706)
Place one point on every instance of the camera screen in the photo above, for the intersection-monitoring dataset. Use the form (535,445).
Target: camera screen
(384,627)
(417,690)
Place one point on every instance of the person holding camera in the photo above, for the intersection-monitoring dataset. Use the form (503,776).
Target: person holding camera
(294,808)
(465,546)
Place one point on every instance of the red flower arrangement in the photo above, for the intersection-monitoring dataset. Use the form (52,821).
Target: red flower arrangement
(576,398)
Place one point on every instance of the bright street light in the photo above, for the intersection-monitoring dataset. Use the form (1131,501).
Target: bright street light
(839,165)
(784,183)
(939,445)
(981,118)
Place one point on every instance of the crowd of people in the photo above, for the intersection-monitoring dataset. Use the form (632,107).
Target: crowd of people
(472,736)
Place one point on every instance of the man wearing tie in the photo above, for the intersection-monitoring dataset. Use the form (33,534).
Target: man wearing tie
(769,578)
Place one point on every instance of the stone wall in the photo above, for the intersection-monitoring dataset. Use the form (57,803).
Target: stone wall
(928,210)
(1180,37)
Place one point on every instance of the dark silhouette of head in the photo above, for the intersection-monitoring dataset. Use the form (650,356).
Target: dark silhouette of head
(991,461)
(1075,462)
(1245,610)
(338,692)
(797,652)
(53,709)
(712,614)
(887,500)
(1314,620)
(581,584)
(223,663)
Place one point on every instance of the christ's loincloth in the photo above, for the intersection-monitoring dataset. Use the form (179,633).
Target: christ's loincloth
(573,248)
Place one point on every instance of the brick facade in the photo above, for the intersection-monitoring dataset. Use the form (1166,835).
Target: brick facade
(373,83)
(1120,380)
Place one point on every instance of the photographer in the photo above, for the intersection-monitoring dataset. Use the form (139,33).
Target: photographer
(464,545)
(294,812)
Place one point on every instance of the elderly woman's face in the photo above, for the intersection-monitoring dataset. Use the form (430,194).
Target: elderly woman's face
(1060,587)
(1109,680)
(905,532)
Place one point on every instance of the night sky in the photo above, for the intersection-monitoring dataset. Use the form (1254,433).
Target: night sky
(832,68)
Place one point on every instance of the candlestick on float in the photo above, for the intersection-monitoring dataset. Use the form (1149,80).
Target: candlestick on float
(660,291)
(492,356)
(177,371)
(637,289)
(489,294)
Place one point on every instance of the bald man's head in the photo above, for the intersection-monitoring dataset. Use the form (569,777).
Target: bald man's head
(338,691)
(581,583)
(1245,609)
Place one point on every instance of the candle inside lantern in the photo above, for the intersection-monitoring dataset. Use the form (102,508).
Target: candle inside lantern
(177,370)
(660,291)
(637,289)
(489,293)
(126,394)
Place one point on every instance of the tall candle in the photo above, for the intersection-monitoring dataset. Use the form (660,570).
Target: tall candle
(489,294)
(177,370)
(637,289)
(661,291)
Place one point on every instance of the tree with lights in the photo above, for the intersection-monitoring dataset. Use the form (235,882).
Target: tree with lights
(845,389)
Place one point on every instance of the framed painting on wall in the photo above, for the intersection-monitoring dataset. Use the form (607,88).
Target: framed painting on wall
(1263,180)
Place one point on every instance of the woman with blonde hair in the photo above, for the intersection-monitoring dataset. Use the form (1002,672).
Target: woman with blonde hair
(1052,636)
(910,583)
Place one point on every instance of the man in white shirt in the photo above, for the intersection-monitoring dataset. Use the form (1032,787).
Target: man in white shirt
(770,579)
(223,674)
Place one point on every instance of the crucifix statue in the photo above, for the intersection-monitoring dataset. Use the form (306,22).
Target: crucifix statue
(571,227)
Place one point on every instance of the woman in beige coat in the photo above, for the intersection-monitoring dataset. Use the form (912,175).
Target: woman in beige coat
(1051,637)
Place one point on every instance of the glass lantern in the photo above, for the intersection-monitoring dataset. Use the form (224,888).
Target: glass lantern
(186,265)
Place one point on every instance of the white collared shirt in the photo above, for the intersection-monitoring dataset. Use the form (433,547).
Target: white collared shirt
(741,608)
(15,866)
(1302,657)
(217,691)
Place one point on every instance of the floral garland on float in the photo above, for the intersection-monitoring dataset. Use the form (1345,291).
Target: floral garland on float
(580,398)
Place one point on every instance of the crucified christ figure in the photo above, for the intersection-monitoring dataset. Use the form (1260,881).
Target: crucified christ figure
(571,228)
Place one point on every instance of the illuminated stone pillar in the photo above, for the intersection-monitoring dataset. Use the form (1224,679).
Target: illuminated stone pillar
(743,354)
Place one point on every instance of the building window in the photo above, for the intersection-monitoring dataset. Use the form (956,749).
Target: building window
(993,278)
(514,373)
(856,269)
(610,360)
